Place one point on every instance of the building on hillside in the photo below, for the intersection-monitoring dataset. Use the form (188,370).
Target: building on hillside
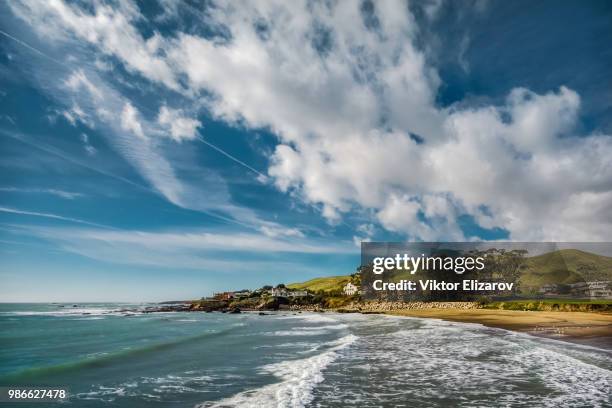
(297,293)
(279,291)
(594,289)
(241,294)
(224,295)
(350,289)
(550,288)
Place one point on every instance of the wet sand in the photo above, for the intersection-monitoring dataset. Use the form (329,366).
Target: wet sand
(593,329)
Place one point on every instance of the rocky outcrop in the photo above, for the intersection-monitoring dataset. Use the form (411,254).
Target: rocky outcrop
(208,306)
(274,303)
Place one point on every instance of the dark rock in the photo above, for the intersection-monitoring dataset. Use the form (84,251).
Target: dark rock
(274,303)
(208,306)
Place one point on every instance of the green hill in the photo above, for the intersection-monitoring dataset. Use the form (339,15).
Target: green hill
(327,284)
(565,266)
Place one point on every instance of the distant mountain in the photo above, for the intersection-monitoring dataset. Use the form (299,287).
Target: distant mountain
(326,284)
(565,266)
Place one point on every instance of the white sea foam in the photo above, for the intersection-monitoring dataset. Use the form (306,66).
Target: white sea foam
(308,330)
(310,317)
(65,312)
(296,333)
(292,344)
(189,382)
(299,378)
(45,313)
(434,361)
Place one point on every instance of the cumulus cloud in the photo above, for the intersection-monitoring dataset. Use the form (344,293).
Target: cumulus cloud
(351,96)
(110,28)
(179,126)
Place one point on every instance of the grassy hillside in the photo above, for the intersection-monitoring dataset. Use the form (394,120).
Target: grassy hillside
(326,283)
(563,266)
(566,266)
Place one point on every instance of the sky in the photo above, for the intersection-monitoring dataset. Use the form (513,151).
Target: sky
(161,150)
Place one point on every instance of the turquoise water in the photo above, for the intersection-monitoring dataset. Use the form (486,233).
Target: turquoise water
(109,357)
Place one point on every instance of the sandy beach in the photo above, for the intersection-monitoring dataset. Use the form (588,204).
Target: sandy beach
(594,329)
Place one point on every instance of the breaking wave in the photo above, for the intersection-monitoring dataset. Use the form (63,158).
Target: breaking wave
(298,380)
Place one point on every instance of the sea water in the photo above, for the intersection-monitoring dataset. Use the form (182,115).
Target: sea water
(111,355)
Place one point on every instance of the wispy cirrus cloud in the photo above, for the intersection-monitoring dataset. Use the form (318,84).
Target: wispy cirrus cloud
(139,138)
(70,195)
(50,216)
(187,248)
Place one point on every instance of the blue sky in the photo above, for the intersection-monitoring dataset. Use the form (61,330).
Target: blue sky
(151,151)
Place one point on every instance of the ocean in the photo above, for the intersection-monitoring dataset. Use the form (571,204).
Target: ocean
(107,356)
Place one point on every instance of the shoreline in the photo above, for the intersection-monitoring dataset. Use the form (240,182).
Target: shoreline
(585,328)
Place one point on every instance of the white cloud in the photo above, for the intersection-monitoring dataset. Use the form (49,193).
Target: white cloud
(432,8)
(179,126)
(345,92)
(128,134)
(49,215)
(365,234)
(78,80)
(186,248)
(70,195)
(76,114)
(139,140)
(130,122)
(111,29)
(91,151)
(274,230)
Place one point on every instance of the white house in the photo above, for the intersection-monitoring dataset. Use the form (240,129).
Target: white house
(350,289)
(278,292)
(298,293)
(593,289)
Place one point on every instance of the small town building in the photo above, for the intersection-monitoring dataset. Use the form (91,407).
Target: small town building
(279,291)
(350,289)
(297,293)
(593,289)
(241,294)
(224,295)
